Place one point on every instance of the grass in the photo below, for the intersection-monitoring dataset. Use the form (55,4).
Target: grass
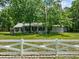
(6,35)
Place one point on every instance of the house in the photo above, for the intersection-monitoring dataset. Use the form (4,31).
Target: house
(35,28)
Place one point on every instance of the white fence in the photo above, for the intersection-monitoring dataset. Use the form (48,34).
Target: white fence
(39,48)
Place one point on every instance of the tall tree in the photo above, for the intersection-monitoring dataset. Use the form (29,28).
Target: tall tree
(48,11)
(75,14)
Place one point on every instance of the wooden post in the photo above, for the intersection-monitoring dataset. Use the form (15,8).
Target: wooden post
(20,30)
(37,29)
(22,42)
(56,48)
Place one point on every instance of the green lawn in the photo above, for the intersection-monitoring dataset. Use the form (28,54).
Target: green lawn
(6,35)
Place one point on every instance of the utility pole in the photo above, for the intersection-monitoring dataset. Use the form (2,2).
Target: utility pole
(46,29)
(48,3)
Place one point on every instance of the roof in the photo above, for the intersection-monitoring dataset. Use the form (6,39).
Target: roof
(57,26)
(18,25)
(36,24)
(26,24)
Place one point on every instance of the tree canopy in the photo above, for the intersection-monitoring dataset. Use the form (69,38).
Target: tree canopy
(15,11)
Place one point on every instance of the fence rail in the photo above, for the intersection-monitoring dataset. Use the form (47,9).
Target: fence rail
(40,40)
(57,47)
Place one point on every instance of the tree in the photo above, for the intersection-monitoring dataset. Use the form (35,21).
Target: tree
(74,10)
(49,12)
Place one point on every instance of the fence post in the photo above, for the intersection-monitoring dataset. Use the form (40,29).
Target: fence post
(22,42)
(57,48)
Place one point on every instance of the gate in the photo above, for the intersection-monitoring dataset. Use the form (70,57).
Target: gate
(39,49)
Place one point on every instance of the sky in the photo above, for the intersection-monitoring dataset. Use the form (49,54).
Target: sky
(66,3)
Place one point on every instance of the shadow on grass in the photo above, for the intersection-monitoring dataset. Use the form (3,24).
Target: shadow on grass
(43,34)
(9,34)
(49,34)
(17,34)
(55,34)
